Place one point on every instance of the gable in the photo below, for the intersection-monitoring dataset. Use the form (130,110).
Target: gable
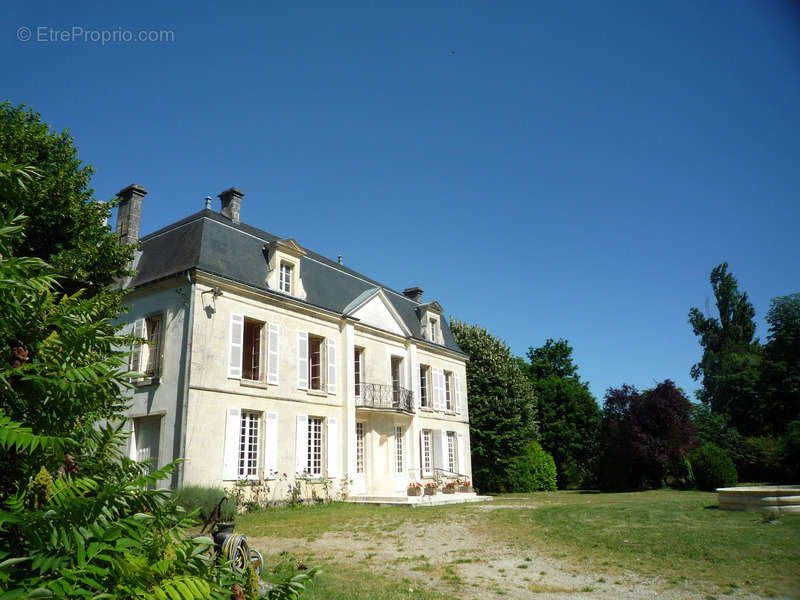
(376,313)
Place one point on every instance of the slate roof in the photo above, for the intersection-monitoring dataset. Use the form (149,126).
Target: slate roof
(210,242)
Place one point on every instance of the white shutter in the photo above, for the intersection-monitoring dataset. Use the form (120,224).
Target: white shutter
(270,444)
(331,366)
(132,452)
(230,464)
(333,447)
(235,351)
(438,448)
(457,385)
(301,450)
(436,390)
(461,462)
(272,354)
(302,360)
(136,354)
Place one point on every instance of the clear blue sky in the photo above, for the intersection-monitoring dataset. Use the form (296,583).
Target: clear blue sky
(552,169)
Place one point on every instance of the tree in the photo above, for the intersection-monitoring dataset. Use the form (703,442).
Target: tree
(642,435)
(731,363)
(569,416)
(780,381)
(502,406)
(65,227)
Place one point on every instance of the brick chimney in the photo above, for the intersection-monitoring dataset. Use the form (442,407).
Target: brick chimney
(415,293)
(129,213)
(232,203)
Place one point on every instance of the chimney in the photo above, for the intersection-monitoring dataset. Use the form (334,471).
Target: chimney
(415,293)
(129,214)
(232,203)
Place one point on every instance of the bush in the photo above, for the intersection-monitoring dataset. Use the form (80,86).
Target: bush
(532,471)
(203,498)
(712,468)
(761,459)
(791,452)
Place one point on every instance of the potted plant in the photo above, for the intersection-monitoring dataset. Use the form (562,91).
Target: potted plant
(449,487)
(431,488)
(415,489)
(465,486)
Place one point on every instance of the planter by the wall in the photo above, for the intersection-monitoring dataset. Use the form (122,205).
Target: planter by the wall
(430,491)
(415,491)
(465,489)
(449,490)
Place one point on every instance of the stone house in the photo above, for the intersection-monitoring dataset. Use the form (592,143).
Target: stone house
(264,361)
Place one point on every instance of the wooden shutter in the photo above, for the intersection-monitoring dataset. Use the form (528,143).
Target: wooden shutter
(461,463)
(439,448)
(301,449)
(272,354)
(302,360)
(270,444)
(136,354)
(132,452)
(457,386)
(230,464)
(333,447)
(235,352)
(331,366)
(437,390)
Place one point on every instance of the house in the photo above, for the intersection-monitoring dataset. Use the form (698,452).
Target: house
(265,361)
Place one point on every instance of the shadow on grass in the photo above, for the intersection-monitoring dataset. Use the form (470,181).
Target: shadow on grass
(711,507)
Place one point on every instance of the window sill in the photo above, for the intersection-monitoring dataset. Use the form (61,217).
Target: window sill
(253,383)
(426,409)
(319,393)
(145,381)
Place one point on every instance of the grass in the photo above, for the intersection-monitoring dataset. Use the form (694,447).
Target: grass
(679,537)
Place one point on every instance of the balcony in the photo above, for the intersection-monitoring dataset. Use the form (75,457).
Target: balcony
(386,397)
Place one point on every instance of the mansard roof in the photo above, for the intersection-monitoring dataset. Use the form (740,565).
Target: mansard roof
(210,242)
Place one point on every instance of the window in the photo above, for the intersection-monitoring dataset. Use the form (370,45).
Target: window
(424,400)
(314,466)
(396,393)
(286,277)
(451,451)
(251,350)
(398,454)
(316,362)
(359,447)
(358,373)
(144,441)
(448,393)
(248,445)
(426,452)
(315,345)
(432,330)
(146,356)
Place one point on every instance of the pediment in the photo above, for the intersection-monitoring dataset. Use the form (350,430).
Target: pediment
(289,246)
(373,308)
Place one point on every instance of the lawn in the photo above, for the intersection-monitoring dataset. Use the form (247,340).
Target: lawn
(679,538)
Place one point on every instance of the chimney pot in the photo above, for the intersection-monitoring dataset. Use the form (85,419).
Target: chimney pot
(415,293)
(129,214)
(208,202)
(232,203)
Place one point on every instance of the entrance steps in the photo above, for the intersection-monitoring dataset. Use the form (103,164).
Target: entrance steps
(405,500)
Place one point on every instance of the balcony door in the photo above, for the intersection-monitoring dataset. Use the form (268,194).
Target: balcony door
(397,361)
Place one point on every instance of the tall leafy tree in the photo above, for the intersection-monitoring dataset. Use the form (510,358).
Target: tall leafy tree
(502,406)
(66,227)
(643,434)
(781,374)
(569,416)
(730,367)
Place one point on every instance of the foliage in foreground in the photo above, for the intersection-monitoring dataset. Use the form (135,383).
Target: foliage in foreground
(502,406)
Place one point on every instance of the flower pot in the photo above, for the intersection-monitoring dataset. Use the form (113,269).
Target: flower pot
(465,489)
(449,490)
(415,491)
(431,491)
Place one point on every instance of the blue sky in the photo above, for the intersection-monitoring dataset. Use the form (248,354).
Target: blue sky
(552,169)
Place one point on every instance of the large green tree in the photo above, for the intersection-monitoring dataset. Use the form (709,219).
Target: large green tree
(502,407)
(730,368)
(569,417)
(66,227)
(781,373)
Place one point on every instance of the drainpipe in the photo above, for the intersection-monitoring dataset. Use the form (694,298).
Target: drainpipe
(187,335)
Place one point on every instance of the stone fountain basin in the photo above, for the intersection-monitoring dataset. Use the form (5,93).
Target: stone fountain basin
(763,498)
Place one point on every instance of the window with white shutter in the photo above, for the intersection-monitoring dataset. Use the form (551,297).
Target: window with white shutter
(230,465)
(333,450)
(273,358)
(235,347)
(331,359)
(301,447)
(302,360)
(458,392)
(270,445)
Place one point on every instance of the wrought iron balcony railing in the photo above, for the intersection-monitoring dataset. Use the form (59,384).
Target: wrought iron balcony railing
(378,395)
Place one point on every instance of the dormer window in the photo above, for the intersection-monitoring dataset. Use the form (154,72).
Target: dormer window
(433,326)
(286,278)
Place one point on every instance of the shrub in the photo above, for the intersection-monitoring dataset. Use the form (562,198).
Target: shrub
(532,471)
(203,499)
(712,468)
(761,459)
